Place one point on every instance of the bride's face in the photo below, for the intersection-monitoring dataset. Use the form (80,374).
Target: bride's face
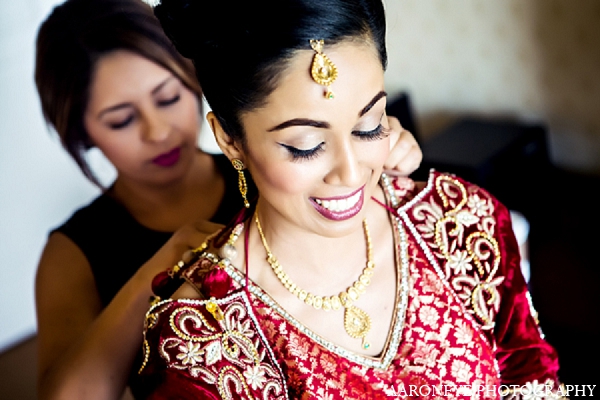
(317,161)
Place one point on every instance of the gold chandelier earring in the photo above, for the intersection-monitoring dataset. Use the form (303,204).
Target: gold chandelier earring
(242,185)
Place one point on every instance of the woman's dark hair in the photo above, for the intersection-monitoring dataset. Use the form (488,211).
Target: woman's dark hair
(241,47)
(70,42)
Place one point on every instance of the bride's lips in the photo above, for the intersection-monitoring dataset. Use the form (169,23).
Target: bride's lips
(169,158)
(340,207)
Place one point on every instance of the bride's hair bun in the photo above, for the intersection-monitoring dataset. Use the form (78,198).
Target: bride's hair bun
(197,26)
(183,22)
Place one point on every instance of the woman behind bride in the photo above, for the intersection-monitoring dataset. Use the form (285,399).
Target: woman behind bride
(338,281)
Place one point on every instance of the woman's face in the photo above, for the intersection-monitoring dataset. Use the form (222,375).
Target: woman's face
(317,161)
(142,118)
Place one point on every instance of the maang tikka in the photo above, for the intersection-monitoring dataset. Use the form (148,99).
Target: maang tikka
(323,70)
(242,185)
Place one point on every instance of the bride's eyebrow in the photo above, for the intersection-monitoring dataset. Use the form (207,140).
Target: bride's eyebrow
(300,122)
(323,124)
(374,101)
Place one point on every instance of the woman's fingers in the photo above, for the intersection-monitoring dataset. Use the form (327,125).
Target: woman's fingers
(405,154)
(189,236)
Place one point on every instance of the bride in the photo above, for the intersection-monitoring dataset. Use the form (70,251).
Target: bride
(337,281)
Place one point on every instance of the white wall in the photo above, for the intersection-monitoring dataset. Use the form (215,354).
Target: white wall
(39,186)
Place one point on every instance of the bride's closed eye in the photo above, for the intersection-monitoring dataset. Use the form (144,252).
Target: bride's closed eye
(301,154)
(380,132)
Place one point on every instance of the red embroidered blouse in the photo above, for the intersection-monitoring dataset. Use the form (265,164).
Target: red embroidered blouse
(464,326)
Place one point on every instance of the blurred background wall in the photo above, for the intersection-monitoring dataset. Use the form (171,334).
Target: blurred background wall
(530,59)
(39,185)
(536,60)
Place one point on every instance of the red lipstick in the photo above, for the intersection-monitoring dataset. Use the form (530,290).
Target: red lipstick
(169,158)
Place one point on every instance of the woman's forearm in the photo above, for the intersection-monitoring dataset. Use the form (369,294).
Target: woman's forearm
(98,365)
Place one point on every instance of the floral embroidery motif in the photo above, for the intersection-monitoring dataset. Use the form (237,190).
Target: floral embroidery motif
(190,353)
(429,316)
(463,334)
(456,351)
(450,355)
(432,350)
(461,234)
(462,371)
(229,353)
(255,376)
(449,264)
(460,262)
(298,347)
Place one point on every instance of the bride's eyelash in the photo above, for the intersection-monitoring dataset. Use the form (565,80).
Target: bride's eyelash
(375,134)
(301,155)
(298,154)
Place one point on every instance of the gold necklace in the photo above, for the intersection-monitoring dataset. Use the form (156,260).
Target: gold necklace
(356,321)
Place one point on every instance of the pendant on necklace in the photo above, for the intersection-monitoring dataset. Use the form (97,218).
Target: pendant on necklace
(357,324)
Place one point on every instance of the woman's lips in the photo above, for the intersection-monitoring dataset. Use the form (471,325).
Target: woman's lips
(341,207)
(169,158)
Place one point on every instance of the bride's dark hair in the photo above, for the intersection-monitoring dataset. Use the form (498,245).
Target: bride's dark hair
(241,47)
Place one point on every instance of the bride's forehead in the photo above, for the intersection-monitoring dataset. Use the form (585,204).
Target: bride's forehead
(349,50)
(358,68)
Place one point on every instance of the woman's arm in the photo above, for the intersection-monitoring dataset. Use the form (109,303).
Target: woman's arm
(86,352)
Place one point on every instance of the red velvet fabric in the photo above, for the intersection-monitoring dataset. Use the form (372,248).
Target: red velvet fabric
(467,320)
(522,354)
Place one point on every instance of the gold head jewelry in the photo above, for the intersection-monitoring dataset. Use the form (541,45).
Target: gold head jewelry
(242,185)
(323,70)
(357,322)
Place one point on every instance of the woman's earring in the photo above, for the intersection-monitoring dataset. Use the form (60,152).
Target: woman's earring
(242,185)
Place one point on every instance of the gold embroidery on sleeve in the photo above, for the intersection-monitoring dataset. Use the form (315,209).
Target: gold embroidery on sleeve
(463,234)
